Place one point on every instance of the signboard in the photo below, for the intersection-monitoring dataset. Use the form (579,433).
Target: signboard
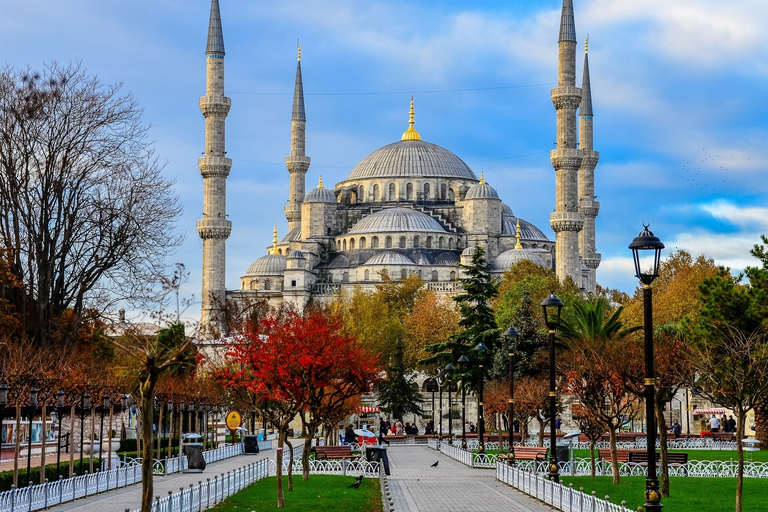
(234,420)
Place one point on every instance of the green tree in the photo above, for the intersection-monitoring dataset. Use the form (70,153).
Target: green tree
(397,395)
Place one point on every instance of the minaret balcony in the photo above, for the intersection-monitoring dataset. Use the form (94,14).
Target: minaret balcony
(215,105)
(566,221)
(214,228)
(566,97)
(591,261)
(297,163)
(589,207)
(213,166)
(565,158)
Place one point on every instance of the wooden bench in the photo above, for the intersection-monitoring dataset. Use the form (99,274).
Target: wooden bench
(536,453)
(641,457)
(334,452)
(621,455)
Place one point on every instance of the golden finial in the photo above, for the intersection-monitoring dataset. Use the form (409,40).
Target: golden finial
(482,177)
(411,133)
(517,235)
(320,185)
(299,43)
(586,44)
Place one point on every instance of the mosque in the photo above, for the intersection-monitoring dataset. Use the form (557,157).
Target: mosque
(410,207)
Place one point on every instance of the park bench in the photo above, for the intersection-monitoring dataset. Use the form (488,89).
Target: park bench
(621,455)
(536,453)
(334,452)
(676,458)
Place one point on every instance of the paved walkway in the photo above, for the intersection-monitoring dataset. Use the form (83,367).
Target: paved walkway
(451,486)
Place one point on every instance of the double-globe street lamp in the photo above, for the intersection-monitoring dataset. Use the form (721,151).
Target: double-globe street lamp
(646,241)
(552,307)
(463,361)
(512,336)
(481,351)
(449,369)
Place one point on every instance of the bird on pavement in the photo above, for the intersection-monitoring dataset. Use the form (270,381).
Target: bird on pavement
(434,465)
(357,483)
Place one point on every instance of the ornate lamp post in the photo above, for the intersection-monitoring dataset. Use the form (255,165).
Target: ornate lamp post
(85,405)
(512,336)
(463,361)
(3,405)
(481,351)
(552,307)
(431,384)
(32,406)
(104,407)
(440,379)
(646,241)
(59,414)
(449,369)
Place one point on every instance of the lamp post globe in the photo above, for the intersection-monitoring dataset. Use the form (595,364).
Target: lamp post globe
(647,243)
(463,362)
(481,351)
(552,307)
(512,336)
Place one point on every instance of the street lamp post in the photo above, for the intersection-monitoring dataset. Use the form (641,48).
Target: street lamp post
(552,307)
(59,414)
(449,369)
(481,351)
(646,241)
(85,405)
(512,336)
(32,406)
(440,379)
(432,382)
(463,361)
(104,407)
(3,405)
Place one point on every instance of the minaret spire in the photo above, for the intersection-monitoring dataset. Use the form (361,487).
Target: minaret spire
(567,221)
(297,162)
(214,228)
(411,133)
(587,204)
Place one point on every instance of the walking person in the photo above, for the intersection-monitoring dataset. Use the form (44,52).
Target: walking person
(677,429)
(714,424)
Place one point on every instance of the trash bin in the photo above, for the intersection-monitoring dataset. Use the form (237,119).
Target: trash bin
(251,444)
(563,453)
(378,453)
(195,460)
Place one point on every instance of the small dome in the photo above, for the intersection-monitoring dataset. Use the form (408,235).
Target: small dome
(506,211)
(527,230)
(269,265)
(447,258)
(469,251)
(396,220)
(340,261)
(506,259)
(293,235)
(320,195)
(420,258)
(390,258)
(481,191)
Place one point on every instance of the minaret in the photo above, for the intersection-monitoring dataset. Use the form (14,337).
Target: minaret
(297,163)
(214,228)
(587,204)
(567,221)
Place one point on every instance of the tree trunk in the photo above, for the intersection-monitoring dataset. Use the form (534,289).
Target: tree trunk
(664,469)
(305,452)
(290,464)
(146,396)
(740,450)
(42,449)
(592,458)
(614,455)
(281,438)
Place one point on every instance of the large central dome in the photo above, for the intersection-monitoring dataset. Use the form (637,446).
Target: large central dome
(411,158)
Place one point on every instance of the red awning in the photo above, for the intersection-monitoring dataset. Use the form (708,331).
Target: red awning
(714,410)
(367,408)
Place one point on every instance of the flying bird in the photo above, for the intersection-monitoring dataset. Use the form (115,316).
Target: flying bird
(357,483)
(434,465)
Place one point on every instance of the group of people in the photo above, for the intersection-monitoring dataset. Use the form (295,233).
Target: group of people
(398,428)
(726,424)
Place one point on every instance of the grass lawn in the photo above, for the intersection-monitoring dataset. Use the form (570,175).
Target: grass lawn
(759,456)
(319,494)
(687,494)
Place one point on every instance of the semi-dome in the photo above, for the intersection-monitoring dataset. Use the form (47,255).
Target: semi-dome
(269,265)
(293,235)
(396,220)
(527,230)
(506,210)
(508,258)
(481,190)
(411,158)
(389,258)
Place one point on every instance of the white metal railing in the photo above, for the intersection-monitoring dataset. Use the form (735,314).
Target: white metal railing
(557,495)
(45,495)
(211,492)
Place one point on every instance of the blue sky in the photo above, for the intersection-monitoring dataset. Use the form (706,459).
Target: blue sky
(679,89)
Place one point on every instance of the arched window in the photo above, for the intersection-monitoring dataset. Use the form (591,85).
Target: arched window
(440,242)
(267,284)
(451,195)
(388,242)
(330,278)
(450,243)
(365,275)
(345,277)
(434,275)
(403,274)
(426,191)
(402,242)
(255,284)
(344,245)
(279,251)
(360,194)
(442,191)
(409,192)
(534,246)
(351,244)
(375,242)
(362,242)
(375,192)
(392,192)
(453,275)
(328,231)
(429,242)
(416,242)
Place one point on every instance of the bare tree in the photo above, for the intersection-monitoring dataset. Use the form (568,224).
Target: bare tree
(85,211)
